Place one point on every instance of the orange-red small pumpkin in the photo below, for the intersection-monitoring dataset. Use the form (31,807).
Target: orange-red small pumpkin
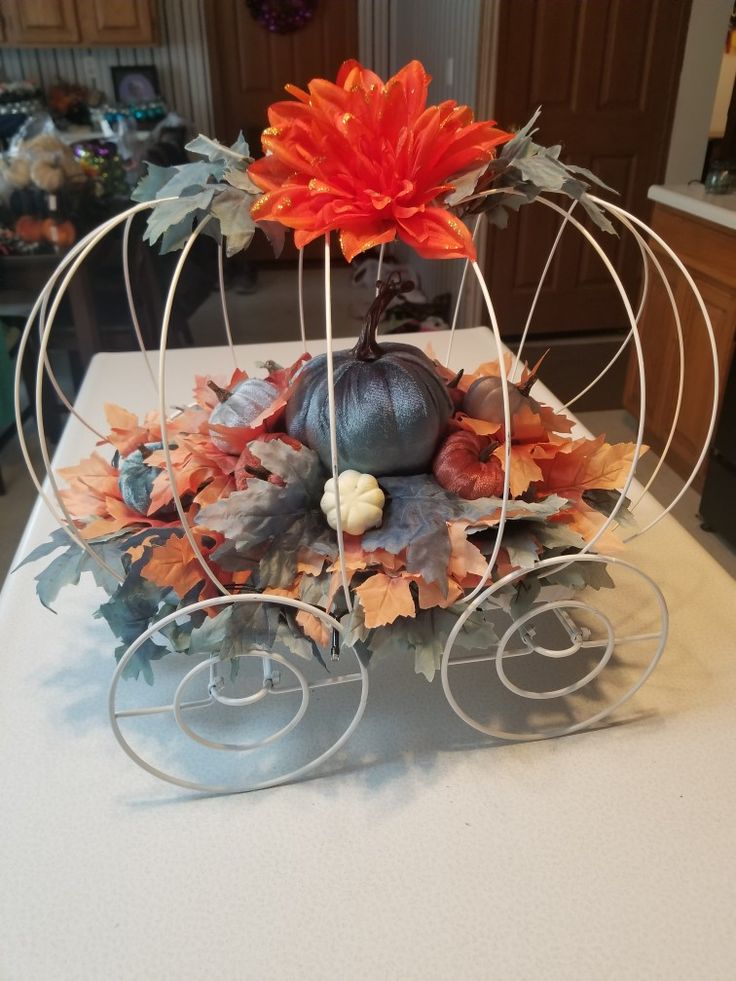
(465,465)
(29,229)
(61,233)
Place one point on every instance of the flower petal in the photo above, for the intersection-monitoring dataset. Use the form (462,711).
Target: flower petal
(353,242)
(435,233)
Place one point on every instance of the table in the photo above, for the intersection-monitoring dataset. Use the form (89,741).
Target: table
(430,855)
(26,276)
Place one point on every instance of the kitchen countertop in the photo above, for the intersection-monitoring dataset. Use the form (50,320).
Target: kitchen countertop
(692,199)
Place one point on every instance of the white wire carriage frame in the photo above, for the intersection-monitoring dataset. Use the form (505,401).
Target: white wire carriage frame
(45,311)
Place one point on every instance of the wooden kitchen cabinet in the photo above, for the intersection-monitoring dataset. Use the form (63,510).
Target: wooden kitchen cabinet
(38,22)
(78,23)
(117,22)
(708,251)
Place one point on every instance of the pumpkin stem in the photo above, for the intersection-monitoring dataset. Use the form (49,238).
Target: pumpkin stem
(454,382)
(487,451)
(368,348)
(261,472)
(222,393)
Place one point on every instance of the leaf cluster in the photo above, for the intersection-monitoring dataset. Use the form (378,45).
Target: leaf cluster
(524,169)
(216,187)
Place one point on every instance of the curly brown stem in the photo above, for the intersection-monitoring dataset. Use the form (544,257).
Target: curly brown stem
(368,348)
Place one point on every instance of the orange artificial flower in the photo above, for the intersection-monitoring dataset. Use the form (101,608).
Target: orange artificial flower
(369,160)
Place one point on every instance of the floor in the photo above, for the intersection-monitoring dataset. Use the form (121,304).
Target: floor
(271,313)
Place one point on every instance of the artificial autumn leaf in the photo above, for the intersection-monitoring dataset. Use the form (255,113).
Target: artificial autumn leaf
(523,470)
(314,590)
(126,433)
(315,628)
(91,482)
(477,426)
(232,210)
(115,517)
(430,594)
(466,559)
(588,464)
(415,521)
(216,490)
(586,522)
(195,461)
(287,520)
(235,438)
(67,568)
(385,598)
(173,564)
(206,397)
(283,377)
(217,187)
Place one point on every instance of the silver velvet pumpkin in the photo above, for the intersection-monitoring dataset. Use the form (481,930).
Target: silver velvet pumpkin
(391,406)
(241,406)
(484,398)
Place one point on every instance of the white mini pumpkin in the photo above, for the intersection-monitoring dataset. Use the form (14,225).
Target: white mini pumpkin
(361,502)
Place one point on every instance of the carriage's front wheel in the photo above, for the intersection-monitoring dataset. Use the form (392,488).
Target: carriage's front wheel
(568,661)
(224,710)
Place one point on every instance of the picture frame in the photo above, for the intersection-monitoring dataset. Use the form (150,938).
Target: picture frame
(134,84)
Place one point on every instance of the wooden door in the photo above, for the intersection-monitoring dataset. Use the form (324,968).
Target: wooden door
(605,73)
(40,22)
(249,66)
(113,22)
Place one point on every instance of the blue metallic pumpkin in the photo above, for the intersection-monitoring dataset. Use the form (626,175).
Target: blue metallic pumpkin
(391,406)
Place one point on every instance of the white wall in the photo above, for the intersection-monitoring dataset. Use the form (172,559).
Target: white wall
(443,35)
(697,89)
(180,59)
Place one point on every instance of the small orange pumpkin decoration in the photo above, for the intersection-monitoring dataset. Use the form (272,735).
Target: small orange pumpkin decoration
(61,233)
(29,229)
(465,465)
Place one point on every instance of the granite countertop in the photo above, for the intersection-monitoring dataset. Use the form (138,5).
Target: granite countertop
(692,199)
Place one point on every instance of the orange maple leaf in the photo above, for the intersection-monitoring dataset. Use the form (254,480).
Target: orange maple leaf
(316,629)
(217,489)
(195,461)
(116,515)
(431,595)
(174,564)
(588,464)
(385,598)
(126,433)
(523,469)
(466,559)
(310,562)
(91,482)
